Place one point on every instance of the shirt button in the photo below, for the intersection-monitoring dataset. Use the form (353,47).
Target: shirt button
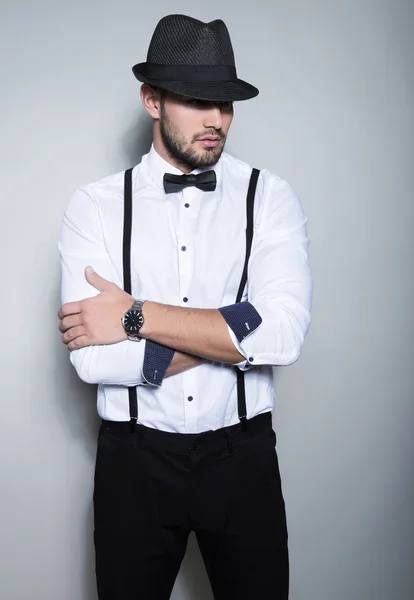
(185,299)
(187,205)
(251,359)
(190,398)
(183,248)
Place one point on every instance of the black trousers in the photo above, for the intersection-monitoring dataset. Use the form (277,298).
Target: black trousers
(153,487)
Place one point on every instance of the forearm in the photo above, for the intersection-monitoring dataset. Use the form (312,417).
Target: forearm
(199,332)
(122,364)
(182,362)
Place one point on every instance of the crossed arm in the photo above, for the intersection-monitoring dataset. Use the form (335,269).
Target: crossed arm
(196,335)
(279,292)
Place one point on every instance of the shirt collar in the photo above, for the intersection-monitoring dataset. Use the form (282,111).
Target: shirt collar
(157,167)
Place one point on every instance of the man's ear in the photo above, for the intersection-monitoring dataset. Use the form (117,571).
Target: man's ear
(151,101)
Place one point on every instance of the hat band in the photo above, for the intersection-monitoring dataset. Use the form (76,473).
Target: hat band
(190,73)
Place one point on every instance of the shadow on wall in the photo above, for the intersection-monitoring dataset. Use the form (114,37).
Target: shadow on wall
(76,399)
(137,139)
(77,402)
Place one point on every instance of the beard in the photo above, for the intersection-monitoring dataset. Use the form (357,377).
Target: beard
(182,153)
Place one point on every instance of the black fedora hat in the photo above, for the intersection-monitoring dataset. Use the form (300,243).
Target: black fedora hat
(194,59)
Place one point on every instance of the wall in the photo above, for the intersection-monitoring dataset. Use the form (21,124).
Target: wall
(335,118)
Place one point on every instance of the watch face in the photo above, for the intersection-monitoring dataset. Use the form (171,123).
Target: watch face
(133,321)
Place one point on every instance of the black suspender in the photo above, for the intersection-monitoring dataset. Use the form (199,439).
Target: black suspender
(249,229)
(241,392)
(126,256)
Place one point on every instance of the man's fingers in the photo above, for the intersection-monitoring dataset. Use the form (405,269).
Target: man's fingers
(70,308)
(69,322)
(73,333)
(79,342)
(97,281)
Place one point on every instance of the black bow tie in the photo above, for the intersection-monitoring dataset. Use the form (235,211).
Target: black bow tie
(205,181)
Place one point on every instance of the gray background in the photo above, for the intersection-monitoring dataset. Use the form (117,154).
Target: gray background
(335,119)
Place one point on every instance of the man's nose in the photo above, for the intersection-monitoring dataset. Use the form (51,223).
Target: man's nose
(213,118)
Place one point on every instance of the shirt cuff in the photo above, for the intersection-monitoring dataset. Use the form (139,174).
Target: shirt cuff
(242,318)
(157,359)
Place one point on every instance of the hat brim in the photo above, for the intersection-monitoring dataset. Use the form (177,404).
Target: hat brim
(219,91)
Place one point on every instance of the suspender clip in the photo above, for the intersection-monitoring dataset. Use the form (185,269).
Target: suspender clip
(243,423)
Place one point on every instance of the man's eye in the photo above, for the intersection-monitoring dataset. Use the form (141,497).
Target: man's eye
(197,102)
(209,104)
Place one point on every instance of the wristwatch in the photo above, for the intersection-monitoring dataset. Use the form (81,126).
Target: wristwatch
(133,320)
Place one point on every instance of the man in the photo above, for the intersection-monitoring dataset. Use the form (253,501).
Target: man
(184,357)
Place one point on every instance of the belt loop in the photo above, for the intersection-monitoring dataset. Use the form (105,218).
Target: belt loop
(230,446)
(243,423)
(133,424)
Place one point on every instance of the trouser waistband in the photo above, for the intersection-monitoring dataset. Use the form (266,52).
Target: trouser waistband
(181,442)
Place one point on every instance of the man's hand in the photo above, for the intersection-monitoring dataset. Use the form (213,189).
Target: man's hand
(95,321)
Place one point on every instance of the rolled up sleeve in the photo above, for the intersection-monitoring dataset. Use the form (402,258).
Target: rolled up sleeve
(157,359)
(81,244)
(269,328)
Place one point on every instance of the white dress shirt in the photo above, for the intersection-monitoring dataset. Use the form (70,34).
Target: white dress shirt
(188,249)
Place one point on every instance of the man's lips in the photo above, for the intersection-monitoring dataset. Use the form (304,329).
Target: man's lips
(209,141)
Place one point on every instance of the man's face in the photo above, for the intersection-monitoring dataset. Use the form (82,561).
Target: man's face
(194,131)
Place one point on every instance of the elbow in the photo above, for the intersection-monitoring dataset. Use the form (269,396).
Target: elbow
(292,337)
(285,323)
(289,355)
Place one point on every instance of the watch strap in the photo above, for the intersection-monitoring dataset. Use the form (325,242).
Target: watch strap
(137,305)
